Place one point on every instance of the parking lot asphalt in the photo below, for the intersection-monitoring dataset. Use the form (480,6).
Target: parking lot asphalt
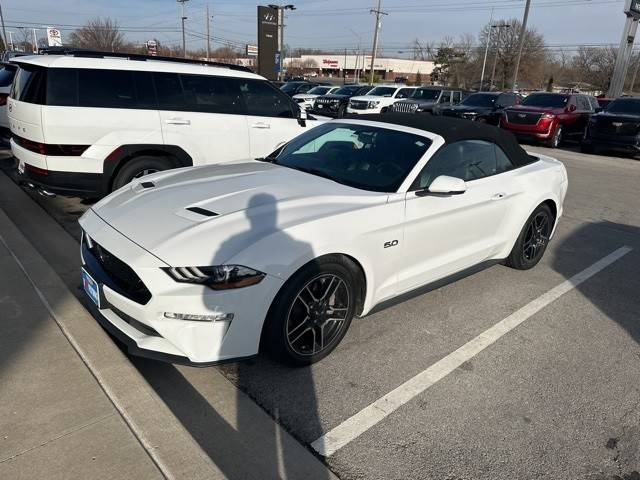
(556,397)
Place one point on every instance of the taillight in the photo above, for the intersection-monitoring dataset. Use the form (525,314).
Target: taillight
(50,149)
(3,99)
(37,170)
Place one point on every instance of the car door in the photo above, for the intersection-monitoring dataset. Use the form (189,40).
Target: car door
(204,115)
(585,110)
(445,234)
(271,117)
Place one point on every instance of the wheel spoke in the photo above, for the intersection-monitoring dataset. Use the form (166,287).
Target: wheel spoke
(301,334)
(313,297)
(303,322)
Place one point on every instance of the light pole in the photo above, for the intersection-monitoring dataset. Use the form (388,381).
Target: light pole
(499,26)
(183,18)
(356,77)
(523,33)
(281,9)
(378,12)
(623,57)
(486,51)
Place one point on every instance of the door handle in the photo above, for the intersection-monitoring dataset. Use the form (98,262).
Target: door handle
(261,125)
(177,121)
(499,196)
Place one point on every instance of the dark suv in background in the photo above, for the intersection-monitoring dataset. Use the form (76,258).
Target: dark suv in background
(616,128)
(549,117)
(425,99)
(335,104)
(486,107)
(293,88)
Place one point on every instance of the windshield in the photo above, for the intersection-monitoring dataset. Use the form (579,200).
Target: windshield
(289,87)
(426,94)
(347,90)
(624,105)
(479,100)
(550,100)
(383,91)
(360,156)
(319,90)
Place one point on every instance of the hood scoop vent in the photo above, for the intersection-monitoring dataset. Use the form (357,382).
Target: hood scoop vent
(202,211)
(147,184)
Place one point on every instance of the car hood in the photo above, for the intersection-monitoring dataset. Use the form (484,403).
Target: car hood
(190,216)
(305,96)
(526,108)
(336,96)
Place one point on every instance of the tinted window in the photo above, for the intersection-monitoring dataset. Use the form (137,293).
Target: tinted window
(457,96)
(206,93)
(551,100)
(319,90)
(426,94)
(62,87)
(383,91)
(106,88)
(28,85)
(361,156)
(624,105)
(351,90)
(480,100)
(405,92)
(506,100)
(169,90)
(594,102)
(145,91)
(304,88)
(583,104)
(364,90)
(6,76)
(446,97)
(467,159)
(263,100)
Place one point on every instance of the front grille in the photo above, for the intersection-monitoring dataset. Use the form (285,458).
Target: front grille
(405,107)
(122,275)
(359,104)
(327,103)
(608,127)
(523,118)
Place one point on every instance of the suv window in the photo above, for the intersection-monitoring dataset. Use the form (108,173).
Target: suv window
(106,88)
(505,100)
(262,100)
(467,159)
(29,84)
(62,87)
(169,91)
(405,92)
(446,97)
(583,104)
(457,96)
(207,93)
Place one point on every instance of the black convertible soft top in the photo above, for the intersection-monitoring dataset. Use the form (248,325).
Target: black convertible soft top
(454,130)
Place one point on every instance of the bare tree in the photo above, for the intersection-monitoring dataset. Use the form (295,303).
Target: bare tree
(99,34)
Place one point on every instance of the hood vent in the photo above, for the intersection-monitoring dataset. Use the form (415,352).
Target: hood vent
(202,211)
(147,184)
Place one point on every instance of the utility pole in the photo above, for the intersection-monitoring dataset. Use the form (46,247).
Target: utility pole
(35,41)
(378,12)
(486,50)
(344,68)
(4,32)
(523,31)
(632,12)
(11,40)
(499,27)
(281,9)
(208,36)
(183,18)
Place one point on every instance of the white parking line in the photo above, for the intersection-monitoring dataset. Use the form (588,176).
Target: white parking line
(359,423)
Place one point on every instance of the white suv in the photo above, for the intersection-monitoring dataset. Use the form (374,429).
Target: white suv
(379,100)
(86,123)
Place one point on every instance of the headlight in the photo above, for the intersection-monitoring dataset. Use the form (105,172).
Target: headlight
(548,116)
(373,104)
(217,277)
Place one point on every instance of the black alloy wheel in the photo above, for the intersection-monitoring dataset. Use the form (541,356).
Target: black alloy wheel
(533,239)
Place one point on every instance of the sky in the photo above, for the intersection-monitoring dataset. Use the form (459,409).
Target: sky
(328,24)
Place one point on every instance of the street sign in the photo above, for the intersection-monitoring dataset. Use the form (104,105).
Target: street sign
(252,50)
(54,37)
(267,41)
(152,48)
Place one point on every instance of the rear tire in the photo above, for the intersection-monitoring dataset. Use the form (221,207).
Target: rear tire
(312,311)
(139,167)
(533,239)
(341,111)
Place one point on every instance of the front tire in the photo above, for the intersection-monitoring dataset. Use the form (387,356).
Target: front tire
(533,239)
(556,139)
(139,167)
(312,312)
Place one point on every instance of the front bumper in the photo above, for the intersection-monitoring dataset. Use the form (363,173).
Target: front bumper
(144,328)
(367,111)
(529,131)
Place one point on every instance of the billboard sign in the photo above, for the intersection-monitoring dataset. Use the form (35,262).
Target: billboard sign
(152,48)
(54,37)
(252,50)
(267,41)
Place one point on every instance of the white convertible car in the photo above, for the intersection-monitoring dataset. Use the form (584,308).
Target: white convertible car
(208,264)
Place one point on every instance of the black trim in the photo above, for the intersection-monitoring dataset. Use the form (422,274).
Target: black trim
(84,185)
(202,211)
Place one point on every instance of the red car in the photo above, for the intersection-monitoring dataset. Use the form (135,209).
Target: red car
(550,117)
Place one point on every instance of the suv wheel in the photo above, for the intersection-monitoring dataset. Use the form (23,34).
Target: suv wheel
(139,167)
(556,139)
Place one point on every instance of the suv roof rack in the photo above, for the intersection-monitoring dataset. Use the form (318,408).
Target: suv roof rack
(78,52)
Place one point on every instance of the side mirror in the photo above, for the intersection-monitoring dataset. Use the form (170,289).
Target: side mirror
(572,108)
(445,185)
(302,117)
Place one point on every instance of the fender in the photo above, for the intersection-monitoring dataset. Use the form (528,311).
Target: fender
(116,159)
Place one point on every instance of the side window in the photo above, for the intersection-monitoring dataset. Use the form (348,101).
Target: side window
(457,96)
(62,87)
(505,100)
(582,104)
(445,97)
(145,91)
(467,159)
(305,87)
(169,90)
(594,102)
(404,92)
(106,88)
(262,100)
(206,93)
(29,84)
